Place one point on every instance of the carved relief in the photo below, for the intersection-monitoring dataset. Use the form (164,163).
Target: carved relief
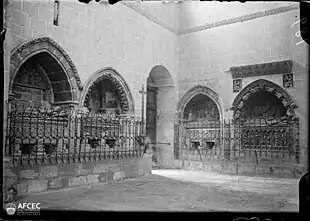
(31,77)
(246,94)
(116,98)
(31,87)
(237,85)
(200,108)
(195,91)
(288,81)
(280,67)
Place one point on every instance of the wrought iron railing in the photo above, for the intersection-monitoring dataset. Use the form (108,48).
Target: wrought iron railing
(264,138)
(198,139)
(39,136)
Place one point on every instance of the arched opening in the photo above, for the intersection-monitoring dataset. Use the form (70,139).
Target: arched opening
(107,92)
(201,107)
(199,123)
(203,102)
(41,82)
(265,121)
(262,98)
(43,75)
(160,104)
(263,104)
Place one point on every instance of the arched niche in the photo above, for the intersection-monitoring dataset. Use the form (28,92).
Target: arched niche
(263,98)
(204,100)
(201,107)
(105,91)
(41,71)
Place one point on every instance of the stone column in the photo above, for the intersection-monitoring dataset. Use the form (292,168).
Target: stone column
(227,126)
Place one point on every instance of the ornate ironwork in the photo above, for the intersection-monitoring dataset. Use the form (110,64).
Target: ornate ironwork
(265,138)
(176,141)
(38,136)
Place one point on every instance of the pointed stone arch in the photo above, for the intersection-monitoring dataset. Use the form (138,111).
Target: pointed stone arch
(122,89)
(262,85)
(45,48)
(196,90)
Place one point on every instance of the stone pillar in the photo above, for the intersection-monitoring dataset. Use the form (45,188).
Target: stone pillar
(7,39)
(227,125)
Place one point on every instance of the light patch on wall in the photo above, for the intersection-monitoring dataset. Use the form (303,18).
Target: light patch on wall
(56,12)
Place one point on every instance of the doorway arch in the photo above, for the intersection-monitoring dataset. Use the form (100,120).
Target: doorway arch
(159,114)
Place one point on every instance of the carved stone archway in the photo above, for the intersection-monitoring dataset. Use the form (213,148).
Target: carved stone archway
(199,89)
(262,85)
(122,89)
(55,55)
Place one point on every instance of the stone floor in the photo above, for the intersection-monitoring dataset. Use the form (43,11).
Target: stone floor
(178,190)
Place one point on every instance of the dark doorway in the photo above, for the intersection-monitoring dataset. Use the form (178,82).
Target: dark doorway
(161,99)
(151,111)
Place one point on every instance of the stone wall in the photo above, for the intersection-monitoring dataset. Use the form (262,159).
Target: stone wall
(242,168)
(97,36)
(206,55)
(51,177)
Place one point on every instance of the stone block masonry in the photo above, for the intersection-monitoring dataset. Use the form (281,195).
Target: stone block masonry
(52,177)
(243,168)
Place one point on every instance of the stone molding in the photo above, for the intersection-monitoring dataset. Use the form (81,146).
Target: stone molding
(199,89)
(262,85)
(126,99)
(206,26)
(239,19)
(32,47)
(272,68)
(133,6)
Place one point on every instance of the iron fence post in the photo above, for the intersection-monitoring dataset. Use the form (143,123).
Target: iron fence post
(176,140)
(227,139)
(296,139)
